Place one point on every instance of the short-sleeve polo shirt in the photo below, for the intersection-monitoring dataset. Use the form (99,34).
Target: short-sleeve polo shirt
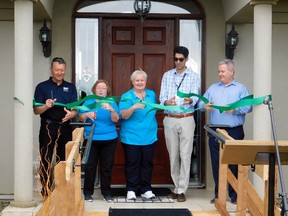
(64,93)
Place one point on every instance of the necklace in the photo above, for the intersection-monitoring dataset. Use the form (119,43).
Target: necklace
(141,95)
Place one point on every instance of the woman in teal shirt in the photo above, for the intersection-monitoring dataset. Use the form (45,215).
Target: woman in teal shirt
(104,141)
(138,134)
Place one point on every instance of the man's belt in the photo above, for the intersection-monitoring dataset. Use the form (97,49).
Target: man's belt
(44,120)
(225,127)
(182,115)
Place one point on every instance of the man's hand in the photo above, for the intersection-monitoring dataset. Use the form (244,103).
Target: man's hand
(49,103)
(171,102)
(69,114)
(230,111)
(188,101)
(208,106)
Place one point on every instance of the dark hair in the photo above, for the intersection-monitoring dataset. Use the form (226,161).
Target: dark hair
(182,50)
(59,60)
(93,89)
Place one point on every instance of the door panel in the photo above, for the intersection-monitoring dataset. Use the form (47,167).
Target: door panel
(127,45)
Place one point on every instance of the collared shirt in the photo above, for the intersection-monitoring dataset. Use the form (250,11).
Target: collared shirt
(141,127)
(190,83)
(222,95)
(64,93)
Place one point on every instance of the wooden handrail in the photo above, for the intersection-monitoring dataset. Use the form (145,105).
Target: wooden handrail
(74,153)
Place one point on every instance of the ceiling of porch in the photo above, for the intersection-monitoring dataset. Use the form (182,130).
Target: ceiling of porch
(7,11)
(245,15)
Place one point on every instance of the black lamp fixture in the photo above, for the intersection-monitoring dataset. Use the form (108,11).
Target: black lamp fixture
(45,39)
(232,42)
(142,8)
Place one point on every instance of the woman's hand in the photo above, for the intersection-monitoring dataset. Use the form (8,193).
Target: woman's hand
(138,106)
(107,106)
(91,115)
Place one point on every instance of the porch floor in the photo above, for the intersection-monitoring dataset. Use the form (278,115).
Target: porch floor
(197,201)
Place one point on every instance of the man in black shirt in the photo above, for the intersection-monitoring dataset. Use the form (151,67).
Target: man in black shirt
(55,130)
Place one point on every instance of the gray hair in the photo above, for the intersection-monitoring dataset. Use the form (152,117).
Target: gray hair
(229,63)
(138,72)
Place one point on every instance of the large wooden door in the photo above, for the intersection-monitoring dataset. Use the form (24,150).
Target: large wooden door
(126,45)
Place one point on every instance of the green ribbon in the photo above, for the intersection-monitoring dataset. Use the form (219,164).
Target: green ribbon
(162,107)
(185,95)
(246,101)
(75,105)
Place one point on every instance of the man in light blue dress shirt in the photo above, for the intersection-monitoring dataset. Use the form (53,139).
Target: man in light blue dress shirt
(221,93)
(179,126)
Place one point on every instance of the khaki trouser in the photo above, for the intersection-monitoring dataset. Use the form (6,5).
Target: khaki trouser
(179,136)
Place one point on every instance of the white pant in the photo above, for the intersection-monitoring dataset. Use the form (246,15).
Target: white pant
(179,136)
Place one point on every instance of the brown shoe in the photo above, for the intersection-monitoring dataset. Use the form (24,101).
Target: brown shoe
(172,196)
(181,197)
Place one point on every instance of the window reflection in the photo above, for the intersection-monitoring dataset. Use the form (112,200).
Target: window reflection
(86,54)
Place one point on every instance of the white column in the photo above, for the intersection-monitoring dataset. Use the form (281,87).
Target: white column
(262,129)
(23,134)
(262,66)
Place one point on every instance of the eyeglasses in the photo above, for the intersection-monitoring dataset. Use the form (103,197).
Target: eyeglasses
(101,88)
(178,59)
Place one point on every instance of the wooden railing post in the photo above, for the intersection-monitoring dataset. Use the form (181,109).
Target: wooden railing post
(66,197)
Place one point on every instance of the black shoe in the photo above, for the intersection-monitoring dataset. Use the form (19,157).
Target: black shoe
(88,198)
(212,201)
(108,198)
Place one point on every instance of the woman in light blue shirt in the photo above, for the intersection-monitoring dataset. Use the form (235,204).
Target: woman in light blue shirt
(104,141)
(138,134)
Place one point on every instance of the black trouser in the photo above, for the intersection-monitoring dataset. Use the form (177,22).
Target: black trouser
(52,135)
(101,151)
(139,166)
(236,133)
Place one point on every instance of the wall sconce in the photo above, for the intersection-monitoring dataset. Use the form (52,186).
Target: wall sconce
(232,42)
(142,8)
(45,39)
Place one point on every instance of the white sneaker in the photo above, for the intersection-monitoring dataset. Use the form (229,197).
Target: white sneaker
(131,195)
(148,195)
